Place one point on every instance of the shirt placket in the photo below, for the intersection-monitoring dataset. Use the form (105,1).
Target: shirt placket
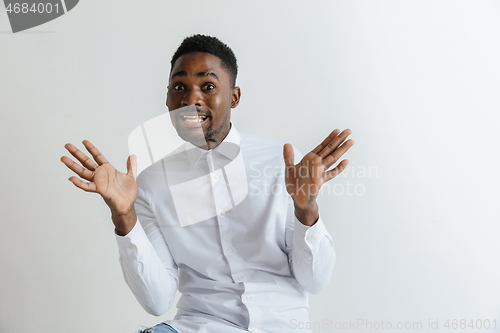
(225,217)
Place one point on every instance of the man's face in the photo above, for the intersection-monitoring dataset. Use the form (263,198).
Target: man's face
(199,79)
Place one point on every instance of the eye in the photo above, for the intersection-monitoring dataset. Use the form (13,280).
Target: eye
(209,86)
(178,87)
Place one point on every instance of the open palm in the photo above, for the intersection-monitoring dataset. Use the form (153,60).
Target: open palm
(304,180)
(119,190)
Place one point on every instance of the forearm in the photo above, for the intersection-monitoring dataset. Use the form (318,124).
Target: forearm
(313,256)
(153,282)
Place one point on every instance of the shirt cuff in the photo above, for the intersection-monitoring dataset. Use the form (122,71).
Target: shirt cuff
(136,238)
(313,234)
(313,248)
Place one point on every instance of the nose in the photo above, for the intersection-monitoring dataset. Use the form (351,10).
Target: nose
(192,96)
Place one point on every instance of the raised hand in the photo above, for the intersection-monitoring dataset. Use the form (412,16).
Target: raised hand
(119,190)
(304,180)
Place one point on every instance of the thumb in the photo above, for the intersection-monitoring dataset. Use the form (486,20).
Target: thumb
(288,155)
(132,166)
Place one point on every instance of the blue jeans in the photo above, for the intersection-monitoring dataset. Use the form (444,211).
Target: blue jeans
(160,328)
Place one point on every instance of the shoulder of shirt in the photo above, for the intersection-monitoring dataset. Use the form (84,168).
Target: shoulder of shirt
(251,139)
(247,138)
(157,168)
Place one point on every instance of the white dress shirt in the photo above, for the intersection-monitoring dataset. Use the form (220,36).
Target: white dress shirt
(220,226)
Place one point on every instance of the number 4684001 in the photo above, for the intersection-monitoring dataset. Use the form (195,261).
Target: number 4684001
(34,8)
(463,324)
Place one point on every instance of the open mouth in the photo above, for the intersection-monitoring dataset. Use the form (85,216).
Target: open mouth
(193,121)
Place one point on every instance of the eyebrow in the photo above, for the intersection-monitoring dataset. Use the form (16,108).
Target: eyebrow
(199,74)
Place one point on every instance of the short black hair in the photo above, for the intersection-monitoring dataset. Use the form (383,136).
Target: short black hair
(212,45)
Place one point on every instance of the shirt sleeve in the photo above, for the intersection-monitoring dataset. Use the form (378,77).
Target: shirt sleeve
(310,250)
(147,264)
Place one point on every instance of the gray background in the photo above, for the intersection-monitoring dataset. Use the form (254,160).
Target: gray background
(416,81)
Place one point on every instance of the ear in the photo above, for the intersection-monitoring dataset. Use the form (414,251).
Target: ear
(235,97)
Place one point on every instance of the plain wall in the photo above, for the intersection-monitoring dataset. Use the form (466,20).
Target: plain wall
(417,82)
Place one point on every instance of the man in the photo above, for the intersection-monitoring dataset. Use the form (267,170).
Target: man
(243,257)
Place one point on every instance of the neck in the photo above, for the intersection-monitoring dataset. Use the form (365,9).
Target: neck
(212,143)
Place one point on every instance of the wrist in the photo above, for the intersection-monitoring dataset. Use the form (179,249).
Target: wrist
(124,222)
(307,215)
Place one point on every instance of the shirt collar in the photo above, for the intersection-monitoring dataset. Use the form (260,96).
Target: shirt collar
(229,147)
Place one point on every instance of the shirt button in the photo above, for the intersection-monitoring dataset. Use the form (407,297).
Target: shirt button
(248,298)
(216,177)
(254,330)
(137,276)
(309,237)
(240,278)
(315,262)
(222,213)
(229,250)
(131,247)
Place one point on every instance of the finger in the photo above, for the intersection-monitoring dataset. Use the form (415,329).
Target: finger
(77,168)
(337,153)
(80,156)
(317,168)
(333,144)
(87,187)
(329,138)
(288,155)
(335,171)
(98,156)
(132,166)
